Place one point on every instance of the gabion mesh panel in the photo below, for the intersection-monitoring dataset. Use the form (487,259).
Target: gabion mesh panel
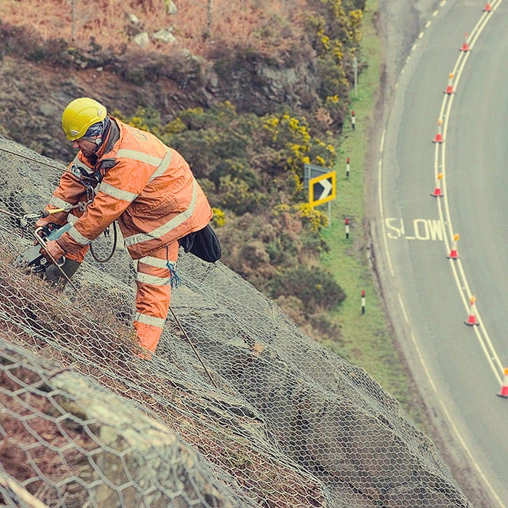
(236,408)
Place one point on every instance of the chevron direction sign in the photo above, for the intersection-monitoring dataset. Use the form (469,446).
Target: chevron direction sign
(322,188)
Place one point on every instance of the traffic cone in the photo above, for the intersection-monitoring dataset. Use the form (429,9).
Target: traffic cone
(472,320)
(453,252)
(465,46)
(487,8)
(439,135)
(449,88)
(437,189)
(504,388)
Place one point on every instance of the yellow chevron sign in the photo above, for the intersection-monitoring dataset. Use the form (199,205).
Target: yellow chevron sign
(322,188)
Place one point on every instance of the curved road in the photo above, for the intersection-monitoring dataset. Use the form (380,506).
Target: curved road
(429,296)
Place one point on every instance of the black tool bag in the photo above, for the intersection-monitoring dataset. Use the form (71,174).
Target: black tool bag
(203,243)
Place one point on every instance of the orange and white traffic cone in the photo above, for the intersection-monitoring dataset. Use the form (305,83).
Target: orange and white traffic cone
(465,46)
(438,193)
(472,320)
(449,88)
(439,136)
(504,388)
(487,8)
(453,252)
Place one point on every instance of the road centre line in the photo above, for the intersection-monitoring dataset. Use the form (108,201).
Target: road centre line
(462,281)
(462,287)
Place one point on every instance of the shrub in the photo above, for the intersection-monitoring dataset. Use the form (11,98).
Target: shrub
(235,194)
(321,328)
(315,286)
(253,161)
(219,217)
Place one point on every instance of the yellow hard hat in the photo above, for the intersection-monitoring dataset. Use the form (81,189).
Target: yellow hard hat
(79,115)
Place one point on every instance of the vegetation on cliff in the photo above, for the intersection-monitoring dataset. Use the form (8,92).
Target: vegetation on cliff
(267,88)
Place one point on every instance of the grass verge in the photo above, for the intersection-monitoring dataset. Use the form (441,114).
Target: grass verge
(366,339)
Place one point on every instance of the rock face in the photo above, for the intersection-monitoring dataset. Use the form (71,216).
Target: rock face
(258,85)
(109,453)
(33,97)
(283,420)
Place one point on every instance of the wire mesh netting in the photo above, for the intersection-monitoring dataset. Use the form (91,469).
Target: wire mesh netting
(236,408)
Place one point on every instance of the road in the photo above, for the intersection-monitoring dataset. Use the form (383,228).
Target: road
(459,368)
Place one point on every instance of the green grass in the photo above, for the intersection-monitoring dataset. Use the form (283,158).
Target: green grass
(366,339)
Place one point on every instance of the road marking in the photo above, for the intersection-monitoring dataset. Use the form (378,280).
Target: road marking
(422,229)
(422,361)
(456,265)
(471,457)
(403,307)
(381,214)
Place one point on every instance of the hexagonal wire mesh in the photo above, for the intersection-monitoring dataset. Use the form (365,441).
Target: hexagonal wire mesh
(259,413)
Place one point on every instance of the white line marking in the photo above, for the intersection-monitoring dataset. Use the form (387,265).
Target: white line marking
(402,306)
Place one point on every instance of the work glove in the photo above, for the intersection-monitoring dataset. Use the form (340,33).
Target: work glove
(53,248)
(45,219)
(42,222)
(48,217)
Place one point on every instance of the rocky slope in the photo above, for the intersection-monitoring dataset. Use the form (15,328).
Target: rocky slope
(252,409)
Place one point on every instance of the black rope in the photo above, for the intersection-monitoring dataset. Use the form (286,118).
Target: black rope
(115,237)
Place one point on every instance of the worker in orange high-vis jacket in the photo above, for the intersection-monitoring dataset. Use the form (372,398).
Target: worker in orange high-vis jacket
(126,174)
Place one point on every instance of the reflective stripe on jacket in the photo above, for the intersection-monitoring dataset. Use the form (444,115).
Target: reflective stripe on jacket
(146,185)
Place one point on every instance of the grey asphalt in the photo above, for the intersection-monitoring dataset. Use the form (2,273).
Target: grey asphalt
(430,320)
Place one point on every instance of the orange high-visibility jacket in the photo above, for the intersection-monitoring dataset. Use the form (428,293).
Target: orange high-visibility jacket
(145,185)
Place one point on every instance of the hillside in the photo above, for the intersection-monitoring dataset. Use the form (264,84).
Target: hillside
(248,99)
(237,408)
(281,60)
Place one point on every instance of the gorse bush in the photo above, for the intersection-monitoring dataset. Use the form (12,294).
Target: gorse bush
(253,162)
(251,169)
(334,33)
(269,86)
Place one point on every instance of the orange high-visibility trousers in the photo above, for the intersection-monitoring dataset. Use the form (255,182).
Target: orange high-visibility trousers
(153,281)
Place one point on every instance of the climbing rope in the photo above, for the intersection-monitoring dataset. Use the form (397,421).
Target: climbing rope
(106,234)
